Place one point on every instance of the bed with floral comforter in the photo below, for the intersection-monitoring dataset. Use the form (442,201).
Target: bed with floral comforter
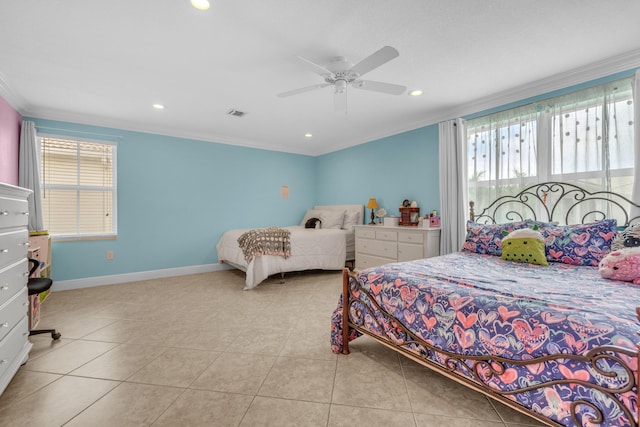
(513,329)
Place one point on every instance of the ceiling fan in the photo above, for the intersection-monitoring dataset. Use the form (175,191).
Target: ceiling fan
(341,74)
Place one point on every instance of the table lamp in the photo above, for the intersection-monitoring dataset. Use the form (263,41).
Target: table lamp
(373,204)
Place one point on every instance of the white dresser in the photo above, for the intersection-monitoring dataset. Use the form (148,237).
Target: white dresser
(14,273)
(377,245)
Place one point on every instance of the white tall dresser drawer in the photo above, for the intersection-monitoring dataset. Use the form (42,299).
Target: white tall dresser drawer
(12,312)
(10,348)
(13,246)
(13,212)
(12,279)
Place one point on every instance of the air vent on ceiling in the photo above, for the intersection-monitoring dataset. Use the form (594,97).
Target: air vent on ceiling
(236,113)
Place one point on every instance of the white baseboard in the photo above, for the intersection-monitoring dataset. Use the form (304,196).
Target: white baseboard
(88,282)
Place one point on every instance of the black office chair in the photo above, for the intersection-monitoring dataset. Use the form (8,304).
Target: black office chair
(37,285)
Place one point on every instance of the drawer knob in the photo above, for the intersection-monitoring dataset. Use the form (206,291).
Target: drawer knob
(25,213)
(4,251)
(4,287)
(3,361)
(4,213)
(5,325)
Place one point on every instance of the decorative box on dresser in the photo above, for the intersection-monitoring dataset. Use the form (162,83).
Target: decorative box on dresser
(378,245)
(14,274)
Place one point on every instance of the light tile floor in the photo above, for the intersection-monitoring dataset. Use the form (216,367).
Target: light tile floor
(198,350)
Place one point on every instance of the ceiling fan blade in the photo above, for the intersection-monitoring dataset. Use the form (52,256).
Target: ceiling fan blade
(375,60)
(312,66)
(340,102)
(389,88)
(302,90)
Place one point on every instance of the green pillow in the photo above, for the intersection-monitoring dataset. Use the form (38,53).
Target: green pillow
(524,245)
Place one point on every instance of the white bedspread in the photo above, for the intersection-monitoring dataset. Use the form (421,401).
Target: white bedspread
(311,249)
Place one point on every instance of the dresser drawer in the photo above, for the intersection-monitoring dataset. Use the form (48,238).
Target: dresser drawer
(366,232)
(12,312)
(13,246)
(12,279)
(389,235)
(12,344)
(368,261)
(411,237)
(377,247)
(13,212)
(409,252)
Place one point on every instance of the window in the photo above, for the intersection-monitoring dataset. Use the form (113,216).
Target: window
(78,188)
(584,138)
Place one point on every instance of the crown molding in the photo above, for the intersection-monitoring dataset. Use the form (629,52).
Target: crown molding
(603,68)
(17,102)
(600,69)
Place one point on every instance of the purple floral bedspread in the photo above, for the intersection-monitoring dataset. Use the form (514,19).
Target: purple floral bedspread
(473,304)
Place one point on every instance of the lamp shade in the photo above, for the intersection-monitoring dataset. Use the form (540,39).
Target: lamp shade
(373,204)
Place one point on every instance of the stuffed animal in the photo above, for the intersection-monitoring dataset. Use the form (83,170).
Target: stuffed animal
(524,245)
(622,264)
(628,238)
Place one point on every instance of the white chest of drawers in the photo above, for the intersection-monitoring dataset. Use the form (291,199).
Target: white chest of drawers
(14,274)
(377,245)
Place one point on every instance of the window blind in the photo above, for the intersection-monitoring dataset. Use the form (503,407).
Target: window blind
(78,187)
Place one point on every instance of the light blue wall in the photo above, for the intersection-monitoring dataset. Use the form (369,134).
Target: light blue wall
(177,196)
(403,166)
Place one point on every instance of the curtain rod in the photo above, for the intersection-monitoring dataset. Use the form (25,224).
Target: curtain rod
(79,131)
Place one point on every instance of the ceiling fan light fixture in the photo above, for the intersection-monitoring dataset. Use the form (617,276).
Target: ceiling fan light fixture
(200,4)
(341,86)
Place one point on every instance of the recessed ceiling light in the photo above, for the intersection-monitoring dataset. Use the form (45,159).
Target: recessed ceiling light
(200,4)
(158,106)
(308,135)
(415,92)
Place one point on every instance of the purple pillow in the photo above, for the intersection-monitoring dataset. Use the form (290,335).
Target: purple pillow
(580,244)
(487,238)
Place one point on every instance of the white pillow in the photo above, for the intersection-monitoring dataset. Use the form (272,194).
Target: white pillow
(331,218)
(350,219)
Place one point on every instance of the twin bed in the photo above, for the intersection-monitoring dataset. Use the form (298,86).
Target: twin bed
(557,342)
(325,248)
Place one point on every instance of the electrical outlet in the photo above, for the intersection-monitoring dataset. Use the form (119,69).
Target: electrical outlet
(109,254)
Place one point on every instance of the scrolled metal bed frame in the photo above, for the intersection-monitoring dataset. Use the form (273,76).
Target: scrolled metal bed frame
(475,372)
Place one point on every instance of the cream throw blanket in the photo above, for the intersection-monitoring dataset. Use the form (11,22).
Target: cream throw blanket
(265,241)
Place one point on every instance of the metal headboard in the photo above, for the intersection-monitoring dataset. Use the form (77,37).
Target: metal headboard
(547,201)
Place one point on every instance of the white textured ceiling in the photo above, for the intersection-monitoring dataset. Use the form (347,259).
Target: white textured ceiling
(105,62)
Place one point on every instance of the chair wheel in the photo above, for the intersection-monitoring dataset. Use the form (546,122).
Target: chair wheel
(56,335)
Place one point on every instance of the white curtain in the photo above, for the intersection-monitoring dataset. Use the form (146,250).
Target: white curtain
(585,138)
(502,154)
(29,172)
(453,184)
(635,194)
